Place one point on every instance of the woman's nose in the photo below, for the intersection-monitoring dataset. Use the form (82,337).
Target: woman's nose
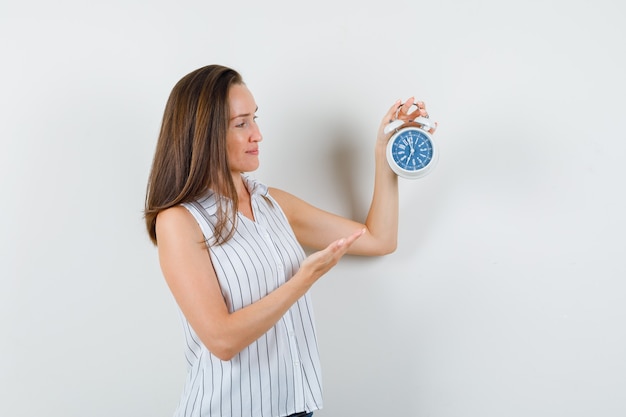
(256,134)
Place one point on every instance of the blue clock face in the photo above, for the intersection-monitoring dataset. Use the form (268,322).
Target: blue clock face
(412,150)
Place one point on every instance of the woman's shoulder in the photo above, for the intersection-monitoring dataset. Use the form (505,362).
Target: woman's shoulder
(174,216)
(293,206)
(281,196)
(176,221)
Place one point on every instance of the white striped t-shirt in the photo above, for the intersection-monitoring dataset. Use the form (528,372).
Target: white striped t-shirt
(278,374)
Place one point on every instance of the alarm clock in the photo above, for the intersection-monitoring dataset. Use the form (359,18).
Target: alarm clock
(411,151)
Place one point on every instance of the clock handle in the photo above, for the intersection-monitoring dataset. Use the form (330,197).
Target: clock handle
(425,122)
(393,125)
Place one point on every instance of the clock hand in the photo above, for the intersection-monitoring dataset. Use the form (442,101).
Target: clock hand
(408,159)
(411,145)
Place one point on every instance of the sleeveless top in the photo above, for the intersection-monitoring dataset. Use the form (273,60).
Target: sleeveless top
(279,373)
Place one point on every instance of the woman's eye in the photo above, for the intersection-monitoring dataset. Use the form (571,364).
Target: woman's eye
(245,123)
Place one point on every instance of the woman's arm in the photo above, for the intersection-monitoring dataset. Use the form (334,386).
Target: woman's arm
(316,228)
(190,275)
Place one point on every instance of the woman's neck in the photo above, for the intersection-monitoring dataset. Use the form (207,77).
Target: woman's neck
(243,197)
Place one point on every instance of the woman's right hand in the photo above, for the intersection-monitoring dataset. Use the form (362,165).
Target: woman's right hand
(319,263)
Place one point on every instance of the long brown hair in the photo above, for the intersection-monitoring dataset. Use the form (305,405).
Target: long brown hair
(191,154)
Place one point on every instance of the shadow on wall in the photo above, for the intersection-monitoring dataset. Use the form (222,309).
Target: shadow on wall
(344,162)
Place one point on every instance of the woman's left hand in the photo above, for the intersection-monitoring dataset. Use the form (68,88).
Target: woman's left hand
(402,111)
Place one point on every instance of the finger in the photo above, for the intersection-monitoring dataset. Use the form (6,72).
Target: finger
(404,109)
(354,236)
(346,242)
(432,130)
(420,110)
(391,113)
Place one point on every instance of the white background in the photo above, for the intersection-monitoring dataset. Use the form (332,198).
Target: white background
(506,296)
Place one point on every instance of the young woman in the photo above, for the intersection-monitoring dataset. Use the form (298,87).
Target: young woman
(230,250)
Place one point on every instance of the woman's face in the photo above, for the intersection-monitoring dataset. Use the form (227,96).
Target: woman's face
(243,136)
